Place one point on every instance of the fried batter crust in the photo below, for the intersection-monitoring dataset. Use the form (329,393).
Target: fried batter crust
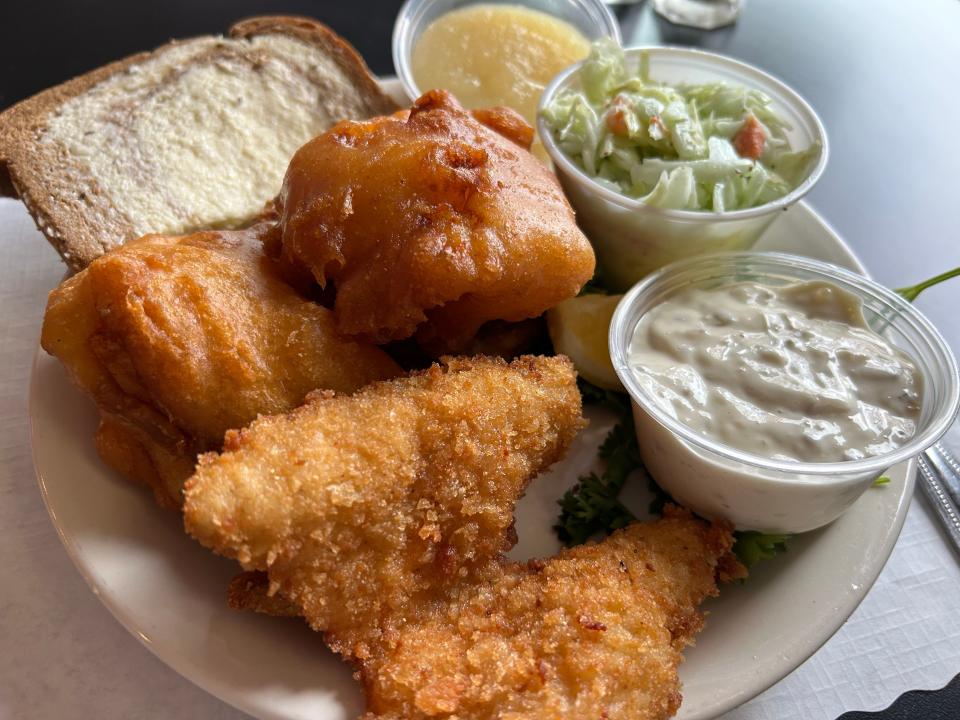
(595,632)
(434,220)
(178,339)
(363,508)
(251,591)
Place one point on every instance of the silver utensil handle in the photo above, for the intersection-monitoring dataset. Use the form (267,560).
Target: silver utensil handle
(934,490)
(947,468)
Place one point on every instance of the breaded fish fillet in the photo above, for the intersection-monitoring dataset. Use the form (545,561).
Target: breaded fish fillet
(250,590)
(434,220)
(595,632)
(363,509)
(179,339)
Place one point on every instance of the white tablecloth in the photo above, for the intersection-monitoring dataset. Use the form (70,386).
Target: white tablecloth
(63,656)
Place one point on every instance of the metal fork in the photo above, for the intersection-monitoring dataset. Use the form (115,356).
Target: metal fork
(940,482)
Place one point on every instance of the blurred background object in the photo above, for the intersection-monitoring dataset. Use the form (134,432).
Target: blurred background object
(703,14)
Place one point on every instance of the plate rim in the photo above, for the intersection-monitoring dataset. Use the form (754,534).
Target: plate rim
(764,682)
(182,667)
(758,684)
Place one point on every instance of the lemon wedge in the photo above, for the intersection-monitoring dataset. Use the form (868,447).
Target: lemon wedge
(578,328)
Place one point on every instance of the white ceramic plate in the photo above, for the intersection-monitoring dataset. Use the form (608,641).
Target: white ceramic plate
(171,594)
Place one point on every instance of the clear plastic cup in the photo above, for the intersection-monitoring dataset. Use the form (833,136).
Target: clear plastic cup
(591,17)
(718,480)
(632,239)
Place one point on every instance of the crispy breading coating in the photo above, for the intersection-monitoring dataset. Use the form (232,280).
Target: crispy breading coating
(435,220)
(595,632)
(251,591)
(179,339)
(363,509)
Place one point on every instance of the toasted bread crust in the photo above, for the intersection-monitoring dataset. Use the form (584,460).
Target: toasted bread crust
(318,34)
(20,127)
(25,168)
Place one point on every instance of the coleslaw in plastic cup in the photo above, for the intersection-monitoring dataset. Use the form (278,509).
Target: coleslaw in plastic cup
(633,238)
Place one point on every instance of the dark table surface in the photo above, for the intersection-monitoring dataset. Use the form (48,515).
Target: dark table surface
(884,76)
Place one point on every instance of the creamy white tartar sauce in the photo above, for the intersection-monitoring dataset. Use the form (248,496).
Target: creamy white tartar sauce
(790,373)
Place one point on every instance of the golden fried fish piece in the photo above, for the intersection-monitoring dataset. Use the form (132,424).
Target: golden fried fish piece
(179,339)
(362,509)
(434,220)
(594,632)
(251,591)
(131,451)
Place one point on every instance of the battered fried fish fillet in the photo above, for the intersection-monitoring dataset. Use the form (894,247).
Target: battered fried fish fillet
(363,509)
(132,452)
(437,218)
(595,632)
(178,339)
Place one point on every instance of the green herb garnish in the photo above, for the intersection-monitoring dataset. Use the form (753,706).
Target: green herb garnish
(910,293)
(592,506)
(751,547)
(881,481)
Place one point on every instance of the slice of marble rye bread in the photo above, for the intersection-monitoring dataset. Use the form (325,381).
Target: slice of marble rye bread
(196,134)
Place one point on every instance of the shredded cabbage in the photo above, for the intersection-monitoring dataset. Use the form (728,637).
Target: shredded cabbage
(687,147)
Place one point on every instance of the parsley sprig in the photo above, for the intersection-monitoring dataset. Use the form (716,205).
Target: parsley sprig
(750,547)
(592,507)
